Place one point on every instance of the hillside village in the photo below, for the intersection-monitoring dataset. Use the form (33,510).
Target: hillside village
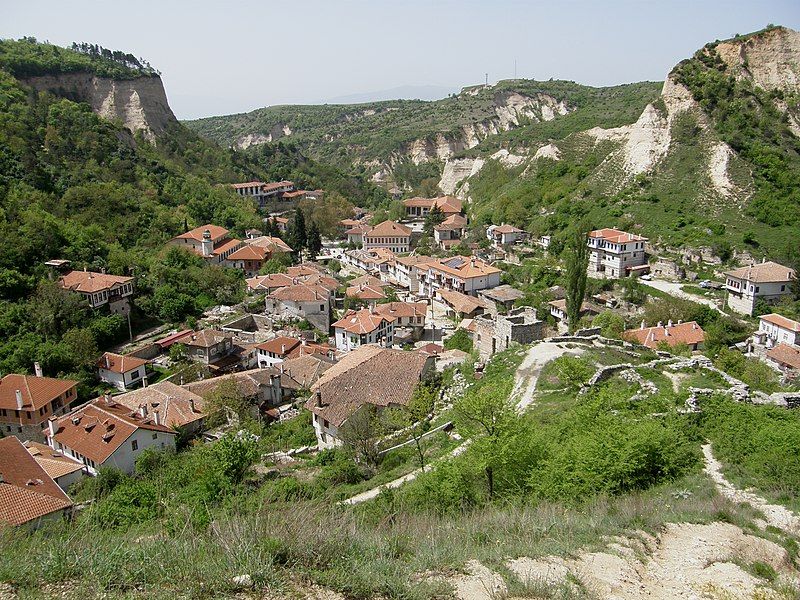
(379,359)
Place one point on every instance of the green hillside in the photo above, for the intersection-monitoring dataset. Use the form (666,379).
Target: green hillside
(77,187)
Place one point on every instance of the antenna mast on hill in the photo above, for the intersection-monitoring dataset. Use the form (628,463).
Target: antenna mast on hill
(487,80)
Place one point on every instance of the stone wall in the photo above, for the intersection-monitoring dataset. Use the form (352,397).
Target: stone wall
(495,335)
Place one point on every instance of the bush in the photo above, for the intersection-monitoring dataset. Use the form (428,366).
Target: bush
(460,340)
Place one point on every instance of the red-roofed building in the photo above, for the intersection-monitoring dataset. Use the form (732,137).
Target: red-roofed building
(464,274)
(100,289)
(209,241)
(614,254)
(309,301)
(420,207)
(276,350)
(786,357)
(28,495)
(505,235)
(27,401)
(107,433)
(689,333)
(777,329)
(261,192)
(122,371)
(390,235)
(365,326)
(767,281)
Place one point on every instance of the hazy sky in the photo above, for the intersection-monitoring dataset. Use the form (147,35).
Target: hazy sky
(227,57)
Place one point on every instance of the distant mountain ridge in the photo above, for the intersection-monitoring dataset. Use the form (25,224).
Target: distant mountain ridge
(404,92)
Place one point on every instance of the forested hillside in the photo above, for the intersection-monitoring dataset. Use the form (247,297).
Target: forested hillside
(77,187)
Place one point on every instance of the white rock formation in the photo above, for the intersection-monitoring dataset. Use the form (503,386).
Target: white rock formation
(550,151)
(139,104)
(456,171)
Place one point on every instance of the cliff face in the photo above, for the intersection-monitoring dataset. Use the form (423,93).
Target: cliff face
(771,58)
(139,104)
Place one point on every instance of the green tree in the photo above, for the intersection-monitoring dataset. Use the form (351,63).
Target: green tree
(416,417)
(460,340)
(488,417)
(298,238)
(610,323)
(313,241)
(236,453)
(577,261)
(435,217)
(360,433)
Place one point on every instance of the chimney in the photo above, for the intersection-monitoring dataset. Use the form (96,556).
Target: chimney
(660,324)
(283,348)
(191,405)
(669,323)
(641,326)
(680,321)
(181,378)
(694,326)
(156,417)
(143,411)
(144,381)
(108,361)
(37,368)
(51,426)
(319,399)
(19,399)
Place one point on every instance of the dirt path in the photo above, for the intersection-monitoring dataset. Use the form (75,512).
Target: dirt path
(396,483)
(776,515)
(527,374)
(674,289)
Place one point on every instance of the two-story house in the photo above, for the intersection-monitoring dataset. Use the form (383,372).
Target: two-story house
(211,242)
(776,329)
(418,208)
(122,371)
(207,346)
(615,254)
(101,289)
(104,432)
(391,235)
(27,401)
(450,232)
(464,274)
(309,301)
(359,327)
(505,235)
(767,281)
(263,193)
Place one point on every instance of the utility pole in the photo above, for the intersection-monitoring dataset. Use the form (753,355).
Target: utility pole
(487,80)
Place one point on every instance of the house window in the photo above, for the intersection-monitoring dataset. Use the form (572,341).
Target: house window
(783,288)
(155,435)
(134,445)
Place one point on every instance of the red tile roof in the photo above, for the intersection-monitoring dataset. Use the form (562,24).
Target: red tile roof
(361,322)
(367,375)
(464,267)
(269,282)
(688,333)
(766,272)
(461,303)
(402,309)
(56,464)
(781,321)
(97,429)
(785,355)
(270,243)
(90,282)
(280,346)
(300,292)
(196,234)
(120,363)
(176,405)
(27,492)
(365,292)
(388,228)
(36,391)
(615,236)
(204,339)
(226,245)
(173,338)
(249,252)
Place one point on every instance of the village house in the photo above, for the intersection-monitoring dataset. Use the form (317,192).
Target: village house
(276,350)
(178,407)
(786,357)
(106,433)
(767,282)
(122,371)
(208,241)
(100,289)
(450,232)
(558,310)
(207,346)
(495,334)
(460,306)
(307,368)
(404,314)
(263,193)
(505,235)
(615,254)
(27,401)
(408,270)
(311,302)
(365,293)
(671,334)
(360,327)
(391,235)
(463,274)
(61,468)
(776,329)
(255,252)
(281,223)
(417,208)
(28,495)
(269,283)
(355,234)
(369,375)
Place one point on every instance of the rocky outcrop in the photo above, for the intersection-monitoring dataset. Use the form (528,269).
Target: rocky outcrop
(139,104)
(770,59)
(278,131)
(456,171)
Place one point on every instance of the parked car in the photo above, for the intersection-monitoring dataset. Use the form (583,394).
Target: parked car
(705,284)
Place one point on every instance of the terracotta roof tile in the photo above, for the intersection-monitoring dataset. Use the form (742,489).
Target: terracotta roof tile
(461,303)
(120,363)
(361,322)
(367,375)
(27,492)
(781,321)
(689,333)
(90,282)
(402,309)
(785,355)
(177,406)
(388,228)
(196,234)
(56,464)
(36,391)
(615,236)
(765,272)
(280,346)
